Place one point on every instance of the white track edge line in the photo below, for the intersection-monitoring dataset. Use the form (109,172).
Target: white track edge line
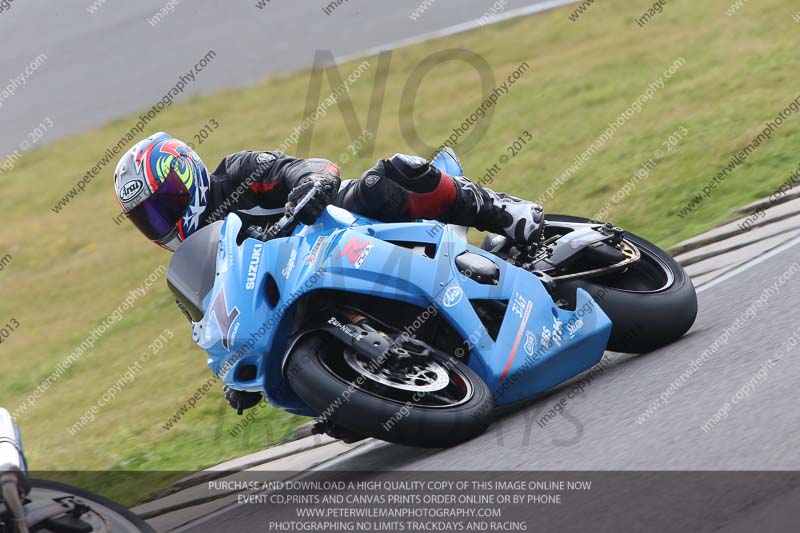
(457,28)
(750,264)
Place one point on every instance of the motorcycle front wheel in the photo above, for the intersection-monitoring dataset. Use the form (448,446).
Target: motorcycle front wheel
(48,499)
(434,404)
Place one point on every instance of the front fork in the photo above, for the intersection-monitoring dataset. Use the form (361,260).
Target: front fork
(355,329)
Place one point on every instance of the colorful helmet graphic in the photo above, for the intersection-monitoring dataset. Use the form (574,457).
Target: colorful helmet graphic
(162,186)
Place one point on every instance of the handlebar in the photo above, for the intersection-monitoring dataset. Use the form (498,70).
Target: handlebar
(287,222)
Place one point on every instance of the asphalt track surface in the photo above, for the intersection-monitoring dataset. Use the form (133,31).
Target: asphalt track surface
(599,430)
(112,63)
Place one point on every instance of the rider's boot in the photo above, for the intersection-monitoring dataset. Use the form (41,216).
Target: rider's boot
(520,220)
(405,187)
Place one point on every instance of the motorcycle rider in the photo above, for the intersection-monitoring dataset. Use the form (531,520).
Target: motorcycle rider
(165,189)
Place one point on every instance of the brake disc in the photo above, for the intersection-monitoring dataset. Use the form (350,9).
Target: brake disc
(428,376)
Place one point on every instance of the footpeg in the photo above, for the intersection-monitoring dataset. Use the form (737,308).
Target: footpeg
(322,427)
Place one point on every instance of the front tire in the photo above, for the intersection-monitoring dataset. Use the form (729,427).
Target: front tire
(317,372)
(651,304)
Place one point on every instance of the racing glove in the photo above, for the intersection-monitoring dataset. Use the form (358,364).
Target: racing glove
(324,196)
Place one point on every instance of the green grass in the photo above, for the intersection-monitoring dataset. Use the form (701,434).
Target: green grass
(72,269)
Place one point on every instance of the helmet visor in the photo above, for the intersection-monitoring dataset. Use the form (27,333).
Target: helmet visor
(160,213)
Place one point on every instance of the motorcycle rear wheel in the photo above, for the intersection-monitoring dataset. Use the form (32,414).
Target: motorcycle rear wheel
(319,372)
(651,304)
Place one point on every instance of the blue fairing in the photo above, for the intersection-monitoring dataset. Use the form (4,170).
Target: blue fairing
(538,346)
(447,161)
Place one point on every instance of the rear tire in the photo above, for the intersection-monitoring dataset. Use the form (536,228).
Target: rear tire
(642,321)
(114,515)
(310,373)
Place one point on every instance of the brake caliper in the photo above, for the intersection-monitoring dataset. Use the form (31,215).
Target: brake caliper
(406,353)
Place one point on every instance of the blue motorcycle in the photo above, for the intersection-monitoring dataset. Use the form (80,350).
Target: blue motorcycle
(407,333)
